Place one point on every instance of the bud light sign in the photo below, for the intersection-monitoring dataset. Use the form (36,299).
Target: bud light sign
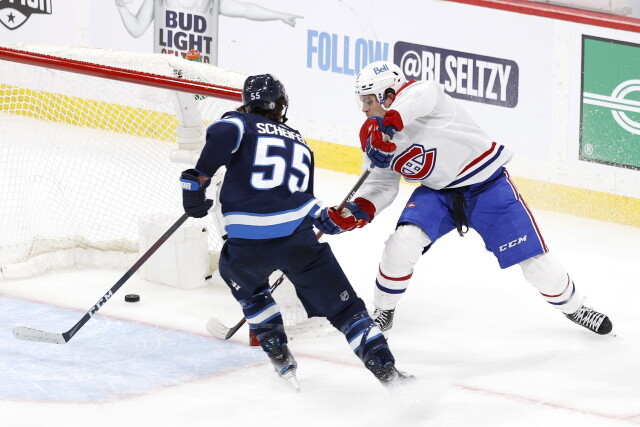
(466,76)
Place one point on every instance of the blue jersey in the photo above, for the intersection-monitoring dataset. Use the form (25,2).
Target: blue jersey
(268,187)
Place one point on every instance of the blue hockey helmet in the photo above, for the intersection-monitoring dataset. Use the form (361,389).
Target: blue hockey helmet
(261,93)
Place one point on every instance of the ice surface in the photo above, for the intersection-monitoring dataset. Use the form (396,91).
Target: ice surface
(486,348)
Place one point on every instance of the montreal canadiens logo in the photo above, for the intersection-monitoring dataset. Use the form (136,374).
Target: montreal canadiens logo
(415,162)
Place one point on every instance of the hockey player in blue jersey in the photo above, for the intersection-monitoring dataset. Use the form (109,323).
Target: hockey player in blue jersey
(416,131)
(268,206)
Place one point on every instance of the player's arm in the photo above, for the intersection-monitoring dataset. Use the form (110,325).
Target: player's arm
(376,193)
(418,100)
(136,24)
(236,9)
(223,139)
(381,188)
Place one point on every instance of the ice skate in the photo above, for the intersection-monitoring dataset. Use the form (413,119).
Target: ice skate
(592,320)
(282,359)
(386,372)
(384,319)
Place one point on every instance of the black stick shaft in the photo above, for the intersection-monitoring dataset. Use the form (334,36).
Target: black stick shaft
(71,332)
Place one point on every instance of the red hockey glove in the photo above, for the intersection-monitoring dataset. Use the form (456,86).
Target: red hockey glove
(378,148)
(355,214)
(390,124)
(380,151)
(392,120)
(367,128)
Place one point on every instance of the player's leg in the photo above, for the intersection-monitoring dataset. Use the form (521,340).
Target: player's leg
(325,291)
(248,280)
(509,230)
(551,279)
(554,284)
(424,219)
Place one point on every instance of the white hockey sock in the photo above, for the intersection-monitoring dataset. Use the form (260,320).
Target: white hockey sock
(552,281)
(389,289)
(567,301)
(401,252)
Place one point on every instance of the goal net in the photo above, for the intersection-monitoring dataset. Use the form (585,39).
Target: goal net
(94,140)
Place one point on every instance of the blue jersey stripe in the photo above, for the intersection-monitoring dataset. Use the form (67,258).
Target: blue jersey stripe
(246,225)
(477,171)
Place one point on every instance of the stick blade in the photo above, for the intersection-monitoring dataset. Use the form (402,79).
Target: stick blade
(217,329)
(30,334)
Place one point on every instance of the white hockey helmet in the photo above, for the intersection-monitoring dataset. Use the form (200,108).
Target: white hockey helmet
(377,77)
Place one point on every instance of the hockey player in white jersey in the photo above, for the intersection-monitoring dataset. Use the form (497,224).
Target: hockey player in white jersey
(416,131)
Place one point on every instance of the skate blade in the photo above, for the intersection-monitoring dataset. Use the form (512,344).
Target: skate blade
(291,378)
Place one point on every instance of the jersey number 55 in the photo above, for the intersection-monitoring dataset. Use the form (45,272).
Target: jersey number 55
(295,170)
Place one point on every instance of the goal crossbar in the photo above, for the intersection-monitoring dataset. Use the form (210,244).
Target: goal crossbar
(121,74)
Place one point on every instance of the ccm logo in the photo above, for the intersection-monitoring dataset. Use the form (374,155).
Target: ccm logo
(513,243)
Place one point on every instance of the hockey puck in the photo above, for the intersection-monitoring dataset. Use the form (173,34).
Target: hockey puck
(132,298)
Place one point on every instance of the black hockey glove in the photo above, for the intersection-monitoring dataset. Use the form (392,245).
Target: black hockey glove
(194,200)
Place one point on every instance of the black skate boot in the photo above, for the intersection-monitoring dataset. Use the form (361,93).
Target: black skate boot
(591,319)
(281,358)
(383,318)
(385,370)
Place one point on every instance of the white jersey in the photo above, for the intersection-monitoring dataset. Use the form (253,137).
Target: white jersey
(440,146)
(181,25)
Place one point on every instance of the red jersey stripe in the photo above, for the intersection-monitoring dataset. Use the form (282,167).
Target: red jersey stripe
(479,158)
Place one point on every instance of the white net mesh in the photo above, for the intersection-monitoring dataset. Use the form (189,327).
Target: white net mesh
(294,316)
(83,158)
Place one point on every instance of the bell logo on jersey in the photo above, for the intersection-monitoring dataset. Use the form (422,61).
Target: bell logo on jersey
(415,163)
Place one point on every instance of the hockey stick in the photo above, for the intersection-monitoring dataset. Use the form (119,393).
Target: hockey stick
(30,334)
(219,330)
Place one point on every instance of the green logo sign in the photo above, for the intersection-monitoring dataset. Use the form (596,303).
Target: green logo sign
(610,116)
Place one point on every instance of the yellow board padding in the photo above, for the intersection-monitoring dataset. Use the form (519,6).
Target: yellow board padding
(580,201)
(87,113)
(537,194)
(336,157)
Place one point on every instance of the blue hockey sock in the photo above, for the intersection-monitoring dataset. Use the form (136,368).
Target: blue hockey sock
(363,335)
(263,315)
